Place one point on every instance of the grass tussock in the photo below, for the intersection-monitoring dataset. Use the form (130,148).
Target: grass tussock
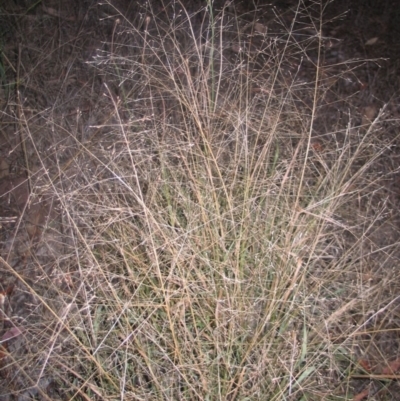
(207,252)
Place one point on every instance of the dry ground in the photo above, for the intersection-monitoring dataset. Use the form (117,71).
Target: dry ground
(199,203)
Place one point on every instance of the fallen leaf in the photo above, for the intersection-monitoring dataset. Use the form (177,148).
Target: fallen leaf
(3,295)
(362,395)
(9,290)
(365,365)
(54,13)
(236,48)
(317,146)
(260,28)
(393,367)
(12,333)
(369,113)
(3,352)
(371,41)
(4,168)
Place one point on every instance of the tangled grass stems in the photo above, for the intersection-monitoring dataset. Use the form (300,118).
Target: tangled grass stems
(201,230)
